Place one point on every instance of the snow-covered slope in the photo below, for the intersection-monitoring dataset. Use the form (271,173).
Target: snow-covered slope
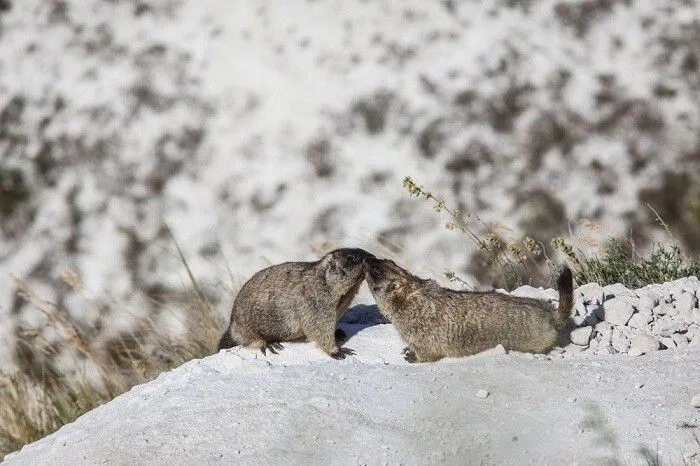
(260,130)
(302,407)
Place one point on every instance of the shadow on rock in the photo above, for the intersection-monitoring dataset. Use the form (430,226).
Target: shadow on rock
(360,317)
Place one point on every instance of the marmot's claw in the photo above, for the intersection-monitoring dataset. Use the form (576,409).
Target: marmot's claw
(342,352)
(409,355)
(273,347)
(406,350)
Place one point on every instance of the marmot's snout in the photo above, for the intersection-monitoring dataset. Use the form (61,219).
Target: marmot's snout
(374,274)
(354,259)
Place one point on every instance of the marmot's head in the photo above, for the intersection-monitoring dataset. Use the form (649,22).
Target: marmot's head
(345,265)
(388,281)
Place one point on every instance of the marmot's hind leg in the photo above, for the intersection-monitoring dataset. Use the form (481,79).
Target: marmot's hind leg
(340,336)
(417,354)
(226,341)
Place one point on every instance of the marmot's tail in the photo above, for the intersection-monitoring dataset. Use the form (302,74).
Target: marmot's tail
(226,341)
(565,285)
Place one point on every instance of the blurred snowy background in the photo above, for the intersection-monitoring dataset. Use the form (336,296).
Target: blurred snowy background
(260,131)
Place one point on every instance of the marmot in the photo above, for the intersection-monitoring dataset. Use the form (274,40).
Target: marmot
(437,322)
(296,301)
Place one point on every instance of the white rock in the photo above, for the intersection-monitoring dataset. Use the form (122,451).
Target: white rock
(646,304)
(482,393)
(686,301)
(639,320)
(668,342)
(643,343)
(679,339)
(617,311)
(618,290)
(581,336)
(696,316)
(666,326)
(663,309)
(656,289)
(651,292)
(527,291)
(603,334)
(577,320)
(696,401)
(693,332)
(579,307)
(675,291)
(593,345)
(688,284)
(687,316)
(591,293)
(604,339)
(626,331)
(620,342)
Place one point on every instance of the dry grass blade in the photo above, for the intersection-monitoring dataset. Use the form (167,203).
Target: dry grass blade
(44,396)
(183,259)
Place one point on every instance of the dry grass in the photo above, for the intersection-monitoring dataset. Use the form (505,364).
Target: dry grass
(64,370)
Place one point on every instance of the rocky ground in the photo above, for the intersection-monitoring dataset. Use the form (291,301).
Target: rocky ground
(258,132)
(613,319)
(301,407)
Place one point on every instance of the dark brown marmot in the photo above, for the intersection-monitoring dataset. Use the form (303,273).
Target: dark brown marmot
(297,301)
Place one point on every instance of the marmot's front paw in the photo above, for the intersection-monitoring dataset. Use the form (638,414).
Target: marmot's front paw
(342,352)
(409,355)
(273,347)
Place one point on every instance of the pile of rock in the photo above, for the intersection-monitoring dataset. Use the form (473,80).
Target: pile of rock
(613,319)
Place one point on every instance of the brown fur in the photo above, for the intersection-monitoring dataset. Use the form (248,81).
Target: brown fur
(437,322)
(296,301)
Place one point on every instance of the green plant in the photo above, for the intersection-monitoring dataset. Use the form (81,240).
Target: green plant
(621,263)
